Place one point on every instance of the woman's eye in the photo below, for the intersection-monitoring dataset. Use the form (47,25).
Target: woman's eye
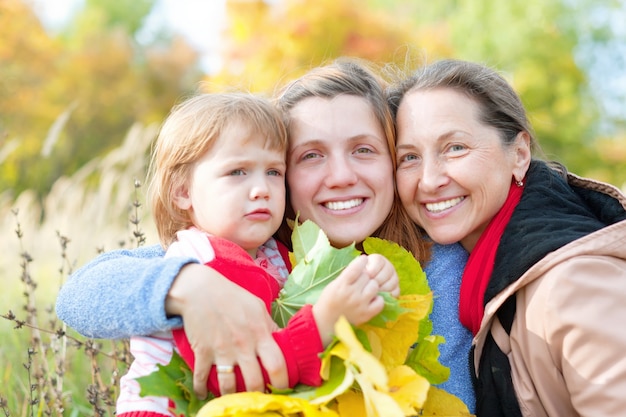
(408,158)
(457,148)
(310,155)
(364,150)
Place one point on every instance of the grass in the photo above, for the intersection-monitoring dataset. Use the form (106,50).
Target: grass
(45,368)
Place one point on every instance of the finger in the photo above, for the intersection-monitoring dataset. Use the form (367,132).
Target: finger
(353,271)
(375,264)
(391,285)
(251,372)
(226,380)
(376,305)
(370,290)
(203,365)
(274,363)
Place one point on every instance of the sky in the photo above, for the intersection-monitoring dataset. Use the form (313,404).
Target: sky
(200,21)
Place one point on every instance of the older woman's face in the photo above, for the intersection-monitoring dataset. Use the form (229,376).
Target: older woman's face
(339,168)
(454,172)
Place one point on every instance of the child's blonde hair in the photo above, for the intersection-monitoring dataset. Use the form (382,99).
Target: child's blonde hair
(189,132)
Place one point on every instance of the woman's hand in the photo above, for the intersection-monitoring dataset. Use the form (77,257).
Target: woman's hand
(225,325)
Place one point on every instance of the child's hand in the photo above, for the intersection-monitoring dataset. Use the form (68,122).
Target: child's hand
(353,294)
(380,269)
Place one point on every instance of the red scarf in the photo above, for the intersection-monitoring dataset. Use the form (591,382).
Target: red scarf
(480,263)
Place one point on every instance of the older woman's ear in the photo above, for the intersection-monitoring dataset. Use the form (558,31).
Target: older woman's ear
(523,155)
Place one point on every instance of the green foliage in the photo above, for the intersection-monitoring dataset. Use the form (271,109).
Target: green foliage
(424,359)
(543,48)
(317,264)
(348,359)
(410,274)
(175,381)
(67,98)
(127,14)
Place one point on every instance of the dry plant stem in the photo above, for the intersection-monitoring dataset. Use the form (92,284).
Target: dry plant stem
(134,218)
(4,406)
(41,389)
(31,319)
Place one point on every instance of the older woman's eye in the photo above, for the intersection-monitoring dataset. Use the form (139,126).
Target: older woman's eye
(408,157)
(457,147)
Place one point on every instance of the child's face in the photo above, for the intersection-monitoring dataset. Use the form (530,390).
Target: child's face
(237,189)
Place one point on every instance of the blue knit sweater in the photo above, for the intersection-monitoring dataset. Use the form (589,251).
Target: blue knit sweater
(122,294)
(444,273)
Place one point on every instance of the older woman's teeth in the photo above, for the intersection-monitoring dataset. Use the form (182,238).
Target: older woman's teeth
(343,205)
(443,205)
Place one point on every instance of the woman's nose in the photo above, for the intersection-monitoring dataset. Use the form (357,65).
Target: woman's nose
(340,173)
(434,175)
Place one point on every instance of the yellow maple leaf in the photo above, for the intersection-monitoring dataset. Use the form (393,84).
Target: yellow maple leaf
(391,344)
(378,402)
(443,404)
(353,353)
(408,389)
(257,404)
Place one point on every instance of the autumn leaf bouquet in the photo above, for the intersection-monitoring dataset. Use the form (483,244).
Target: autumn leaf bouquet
(385,367)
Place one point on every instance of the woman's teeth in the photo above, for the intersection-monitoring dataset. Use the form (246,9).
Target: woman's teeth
(343,205)
(443,205)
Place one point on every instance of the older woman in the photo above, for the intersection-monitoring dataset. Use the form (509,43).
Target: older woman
(545,284)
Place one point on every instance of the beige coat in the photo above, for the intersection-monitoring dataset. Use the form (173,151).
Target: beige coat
(567,346)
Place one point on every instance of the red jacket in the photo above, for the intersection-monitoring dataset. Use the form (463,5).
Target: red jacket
(300,341)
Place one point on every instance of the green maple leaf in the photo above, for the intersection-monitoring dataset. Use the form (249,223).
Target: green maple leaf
(317,264)
(424,359)
(410,274)
(174,381)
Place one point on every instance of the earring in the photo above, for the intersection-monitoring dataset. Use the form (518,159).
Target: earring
(519,183)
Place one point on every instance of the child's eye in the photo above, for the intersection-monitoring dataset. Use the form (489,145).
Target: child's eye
(237,172)
(274,173)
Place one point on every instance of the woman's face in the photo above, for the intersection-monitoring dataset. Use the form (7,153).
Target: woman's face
(454,172)
(339,168)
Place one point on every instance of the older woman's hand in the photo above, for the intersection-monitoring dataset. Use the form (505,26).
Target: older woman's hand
(225,325)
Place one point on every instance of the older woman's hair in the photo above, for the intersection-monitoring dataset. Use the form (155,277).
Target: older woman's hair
(189,132)
(359,78)
(500,106)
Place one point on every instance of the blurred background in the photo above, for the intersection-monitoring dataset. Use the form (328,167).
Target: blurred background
(84,84)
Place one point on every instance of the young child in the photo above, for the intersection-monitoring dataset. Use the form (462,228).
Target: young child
(218,196)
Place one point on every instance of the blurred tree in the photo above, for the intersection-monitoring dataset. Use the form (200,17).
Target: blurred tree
(266,44)
(537,44)
(68,98)
(25,66)
(65,100)
(533,42)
